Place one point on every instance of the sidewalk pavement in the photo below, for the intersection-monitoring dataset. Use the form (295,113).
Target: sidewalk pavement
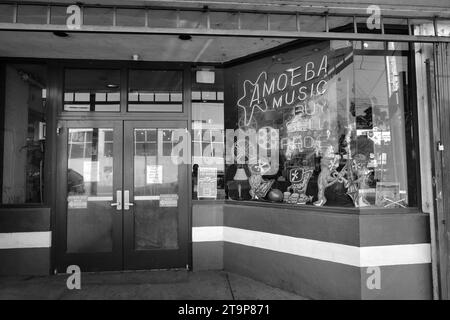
(145,285)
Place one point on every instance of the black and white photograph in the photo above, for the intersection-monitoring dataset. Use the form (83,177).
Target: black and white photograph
(225,158)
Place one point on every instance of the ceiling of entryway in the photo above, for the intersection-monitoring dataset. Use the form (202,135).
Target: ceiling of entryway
(123,46)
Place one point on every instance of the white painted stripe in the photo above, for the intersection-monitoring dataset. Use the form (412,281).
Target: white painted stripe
(202,234)
(315,249)
(298,246)
(19,240)
(395,254)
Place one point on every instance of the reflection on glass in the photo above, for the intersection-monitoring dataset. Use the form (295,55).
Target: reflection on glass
(89,190)
(92,90)
(156,188)
(23,133)
(155,91)
(422,27)
(443,28)
(380,128)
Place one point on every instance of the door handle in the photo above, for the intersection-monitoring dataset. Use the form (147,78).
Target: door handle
(118,204)
(126,201)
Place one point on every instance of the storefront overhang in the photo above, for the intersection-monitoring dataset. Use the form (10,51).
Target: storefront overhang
(319,22)
(406,8)
(148,47)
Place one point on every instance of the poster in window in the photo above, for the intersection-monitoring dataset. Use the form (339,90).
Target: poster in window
(207,182)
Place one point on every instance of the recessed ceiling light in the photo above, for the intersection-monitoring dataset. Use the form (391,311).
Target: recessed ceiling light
(277,58)
(112,85)
(61,34)
(185,37)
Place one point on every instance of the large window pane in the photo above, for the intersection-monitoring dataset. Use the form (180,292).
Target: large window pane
(155,91)
(380,146)
(208,148)
(23,134)
(92,90)
(326,124)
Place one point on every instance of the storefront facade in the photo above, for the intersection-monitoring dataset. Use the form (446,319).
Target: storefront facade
(301,145)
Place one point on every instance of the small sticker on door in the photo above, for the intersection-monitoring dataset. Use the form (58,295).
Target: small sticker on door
(168,200)
(77,201)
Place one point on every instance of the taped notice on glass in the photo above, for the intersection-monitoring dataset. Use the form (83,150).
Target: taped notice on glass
(154,174)
(168,200)
(207,182)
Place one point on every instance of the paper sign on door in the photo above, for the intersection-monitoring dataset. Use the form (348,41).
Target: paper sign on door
(154,174)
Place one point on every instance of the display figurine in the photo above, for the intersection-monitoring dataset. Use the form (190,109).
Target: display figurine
(329,174)
(360,168)
(258,186)
(286,196)
(299,178)
(327,177)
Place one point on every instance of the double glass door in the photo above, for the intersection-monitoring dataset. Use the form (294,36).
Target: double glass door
(122,195)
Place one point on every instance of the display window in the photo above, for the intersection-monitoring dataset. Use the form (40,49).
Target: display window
(328,123)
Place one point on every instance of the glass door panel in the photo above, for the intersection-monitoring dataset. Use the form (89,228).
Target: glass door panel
(156,222)
(90,190)
(155,175)
(89,221)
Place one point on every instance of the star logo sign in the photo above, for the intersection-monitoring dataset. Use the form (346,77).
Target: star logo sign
(251,98)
